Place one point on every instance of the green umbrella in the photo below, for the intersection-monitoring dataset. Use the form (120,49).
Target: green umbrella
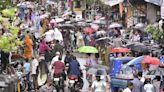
(87,49)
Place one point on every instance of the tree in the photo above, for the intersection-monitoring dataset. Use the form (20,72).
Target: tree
(157,32)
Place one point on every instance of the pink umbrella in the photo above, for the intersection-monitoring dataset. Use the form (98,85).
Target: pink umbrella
(89,30)
(151,60)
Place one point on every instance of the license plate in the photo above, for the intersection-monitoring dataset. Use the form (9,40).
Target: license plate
(56,79)
(71,81)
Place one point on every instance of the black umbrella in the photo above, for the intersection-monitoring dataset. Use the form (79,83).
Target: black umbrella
(138,48)
(157,72)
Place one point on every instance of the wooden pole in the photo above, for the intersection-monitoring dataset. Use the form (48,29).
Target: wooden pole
(19,86)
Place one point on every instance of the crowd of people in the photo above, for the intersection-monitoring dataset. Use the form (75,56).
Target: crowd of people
(140,84)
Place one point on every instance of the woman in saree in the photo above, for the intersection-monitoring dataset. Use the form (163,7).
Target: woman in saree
(28,47)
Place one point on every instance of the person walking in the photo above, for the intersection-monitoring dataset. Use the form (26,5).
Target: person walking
(27,67)
(28,47)
(34,74)
(157,83)
(43,47)
(137,84)
(148,87)
(98,85)
(129,88)
(48,87)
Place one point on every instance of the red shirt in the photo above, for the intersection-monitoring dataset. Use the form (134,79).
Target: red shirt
(58,68)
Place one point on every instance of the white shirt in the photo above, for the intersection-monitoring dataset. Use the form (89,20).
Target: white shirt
(127,90)
(98,86)
(149,88)
(34,65)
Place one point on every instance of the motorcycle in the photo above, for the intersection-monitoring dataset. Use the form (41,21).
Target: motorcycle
(74,84)
(59,84)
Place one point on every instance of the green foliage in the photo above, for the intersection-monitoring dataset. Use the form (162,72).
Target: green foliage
(8,12)
(157,35)
(10,42)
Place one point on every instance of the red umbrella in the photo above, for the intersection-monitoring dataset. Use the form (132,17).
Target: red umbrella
(121,50)
(89,30)
(151,60)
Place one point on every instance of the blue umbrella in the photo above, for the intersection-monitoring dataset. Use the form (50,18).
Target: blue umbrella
(136,60)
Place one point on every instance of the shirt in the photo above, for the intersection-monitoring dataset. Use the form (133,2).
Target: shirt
(56,58)
(74,68)
(34,65)
(127,90)
(46,88)
(137,85)
(98,86)
(27,68)
(58,68)
(149,88)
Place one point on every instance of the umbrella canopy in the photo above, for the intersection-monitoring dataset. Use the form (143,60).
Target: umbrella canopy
(95,26)
(100,33)
(151,60)
(121,50)
(135,60)
(89,30)
(144,59)
(140,26)
(115,25)
(58,20)
(87,49)
(97,71)
(157,72)
(138,48)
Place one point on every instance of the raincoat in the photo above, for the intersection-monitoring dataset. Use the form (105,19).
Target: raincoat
(28,47)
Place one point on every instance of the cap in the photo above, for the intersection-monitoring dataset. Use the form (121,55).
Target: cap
(41,58)
(57,53)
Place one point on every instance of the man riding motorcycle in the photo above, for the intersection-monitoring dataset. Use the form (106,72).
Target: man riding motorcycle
(74,70)
(59,68)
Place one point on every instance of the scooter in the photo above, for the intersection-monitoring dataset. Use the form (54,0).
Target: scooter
(74,84)
(59,84)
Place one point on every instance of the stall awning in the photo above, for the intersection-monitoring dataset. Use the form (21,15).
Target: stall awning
(156,2)
(112,2)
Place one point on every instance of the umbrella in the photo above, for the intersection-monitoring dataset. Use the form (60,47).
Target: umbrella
(144,59)
(138,47)
(97,71)
(87,49)
(151,60)
(140,26)
(66,26)
(121,50)
(100,33)
(135,60)
(103,22)
(115,25)
(157,72)
(95,26)
(58,20)
(89,30)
